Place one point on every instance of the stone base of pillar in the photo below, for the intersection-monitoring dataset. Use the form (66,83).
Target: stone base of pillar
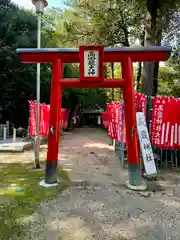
(141,187)
(46,185)
(51,172)
(135,180)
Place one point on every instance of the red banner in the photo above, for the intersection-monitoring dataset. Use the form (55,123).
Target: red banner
(115,117)
(32,118)
(104,117)
(140,103)
(109,114)
(165,128)
(120,125)
(165,125)
(44,119)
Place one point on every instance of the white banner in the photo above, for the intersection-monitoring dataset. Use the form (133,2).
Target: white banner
(145,145)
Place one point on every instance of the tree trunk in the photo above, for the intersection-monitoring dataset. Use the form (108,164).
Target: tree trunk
(126,36)
(70,122)
(148,67)
(139,69)
(112,73)
(155,78)
(150,36)
(105,71)
(147,82)
(156,66)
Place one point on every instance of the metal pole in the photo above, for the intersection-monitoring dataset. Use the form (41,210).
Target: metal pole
(37,140)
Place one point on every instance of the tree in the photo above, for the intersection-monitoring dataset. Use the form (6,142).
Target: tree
(171,34)
(17,30)
(156,21)
(158,14)
(66,35)
(17,80)
(105,22)
(169,83)
(111,23)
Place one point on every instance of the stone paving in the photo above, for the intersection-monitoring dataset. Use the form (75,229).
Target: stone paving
(19,146)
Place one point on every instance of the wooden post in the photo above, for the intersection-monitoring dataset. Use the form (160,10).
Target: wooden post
(27,135)
(1,130)
(7,127)
(4,133)
(99,120)
(14,135)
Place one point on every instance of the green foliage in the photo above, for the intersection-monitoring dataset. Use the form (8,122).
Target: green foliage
(15,32)
(104,22)
(17,80)
(69,28)
(157,21)
(169,82)
(166,82)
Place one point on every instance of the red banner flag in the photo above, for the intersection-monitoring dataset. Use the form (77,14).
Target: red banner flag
(44,119)
(165,130)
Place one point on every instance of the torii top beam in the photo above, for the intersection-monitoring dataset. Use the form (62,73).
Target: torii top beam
(71,55)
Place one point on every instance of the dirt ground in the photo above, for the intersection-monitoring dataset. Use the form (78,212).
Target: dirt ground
(98,206)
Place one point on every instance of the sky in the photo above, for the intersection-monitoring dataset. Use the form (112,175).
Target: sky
(28,3)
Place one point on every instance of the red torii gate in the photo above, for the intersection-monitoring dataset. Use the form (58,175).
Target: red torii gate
(93,78)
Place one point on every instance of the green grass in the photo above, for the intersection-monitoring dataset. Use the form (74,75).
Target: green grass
(15,205)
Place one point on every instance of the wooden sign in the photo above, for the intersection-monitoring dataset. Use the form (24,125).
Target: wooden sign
(145,145)
(91,63)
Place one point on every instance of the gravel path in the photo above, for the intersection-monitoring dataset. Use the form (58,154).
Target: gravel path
(101,208)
